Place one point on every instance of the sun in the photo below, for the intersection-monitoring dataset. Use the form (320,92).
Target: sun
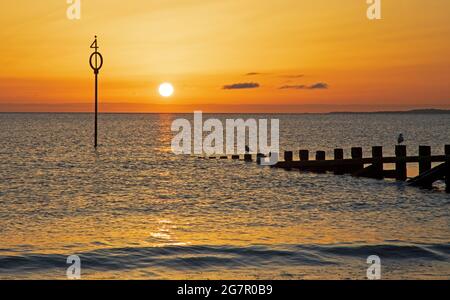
(166,89)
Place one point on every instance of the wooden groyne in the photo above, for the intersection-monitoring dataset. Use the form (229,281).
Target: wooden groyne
(370,167)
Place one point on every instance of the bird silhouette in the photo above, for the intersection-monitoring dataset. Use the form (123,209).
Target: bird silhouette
(400,139)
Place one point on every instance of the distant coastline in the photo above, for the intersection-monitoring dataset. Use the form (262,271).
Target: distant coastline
(413,111)
(400,112)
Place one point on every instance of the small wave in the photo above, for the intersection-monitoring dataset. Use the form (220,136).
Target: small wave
(440,252)
(216,257)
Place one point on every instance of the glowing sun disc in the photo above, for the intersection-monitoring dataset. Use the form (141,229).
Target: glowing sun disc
(166,89)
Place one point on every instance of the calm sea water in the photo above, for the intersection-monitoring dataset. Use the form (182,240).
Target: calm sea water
(134,210)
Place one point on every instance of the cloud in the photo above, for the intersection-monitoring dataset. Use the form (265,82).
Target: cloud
(252,74)
(293,87)
(239,86)
(316,86)
(293,76)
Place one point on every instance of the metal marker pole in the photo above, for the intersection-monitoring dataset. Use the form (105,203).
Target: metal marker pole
(96,67)
(96,109)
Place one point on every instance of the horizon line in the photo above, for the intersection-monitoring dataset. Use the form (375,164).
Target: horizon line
(412,111)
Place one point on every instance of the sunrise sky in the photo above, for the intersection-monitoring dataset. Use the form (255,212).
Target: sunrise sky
(226,56)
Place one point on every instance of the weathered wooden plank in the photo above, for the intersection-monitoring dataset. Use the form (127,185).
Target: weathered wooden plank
(348,162)
(370,172)
(426,179)
(389,174)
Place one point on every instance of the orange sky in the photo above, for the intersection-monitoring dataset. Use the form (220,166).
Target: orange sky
(397,63)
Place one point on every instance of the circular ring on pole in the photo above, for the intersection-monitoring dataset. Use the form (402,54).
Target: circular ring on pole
(96,68)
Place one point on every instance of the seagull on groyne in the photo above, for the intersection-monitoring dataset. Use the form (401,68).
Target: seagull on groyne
(400,139)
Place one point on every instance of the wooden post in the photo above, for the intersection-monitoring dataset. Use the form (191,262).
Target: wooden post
(288,156)
(338,155)
(424,159)
(447,175)
(357,153)
(259,158)
(400,165)
(377,156)
(304,155)
(320,155)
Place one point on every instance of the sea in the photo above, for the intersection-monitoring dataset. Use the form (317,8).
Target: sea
(132,209)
